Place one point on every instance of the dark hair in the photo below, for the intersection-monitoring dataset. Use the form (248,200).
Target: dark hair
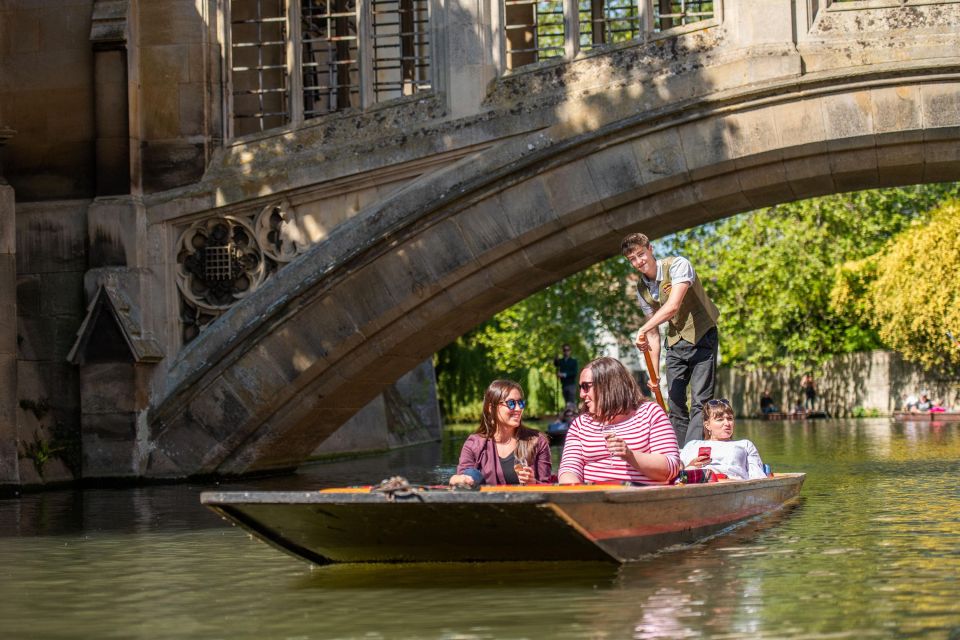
(497,392)
(616,391)
(634,240)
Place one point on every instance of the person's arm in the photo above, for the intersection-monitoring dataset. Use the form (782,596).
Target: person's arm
(468,460)
(662,462)
(664,313)
(571,460)
(542,464)
(754,463)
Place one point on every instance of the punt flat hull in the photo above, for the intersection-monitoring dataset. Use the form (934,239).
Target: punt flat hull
(927,416)
(586,523)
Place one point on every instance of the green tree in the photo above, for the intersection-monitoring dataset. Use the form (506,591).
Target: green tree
(521,342)
(910,291)
(771,271)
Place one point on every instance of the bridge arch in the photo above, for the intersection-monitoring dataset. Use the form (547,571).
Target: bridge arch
(284,368)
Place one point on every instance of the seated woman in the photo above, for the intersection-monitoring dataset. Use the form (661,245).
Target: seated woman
(501,450)
(736,459)
(618,436)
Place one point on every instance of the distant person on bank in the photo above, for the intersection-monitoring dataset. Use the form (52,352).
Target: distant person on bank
(809,389)
(718,451)
(618,436)
(567,370)
(670,291)
(502,450)
(766,403)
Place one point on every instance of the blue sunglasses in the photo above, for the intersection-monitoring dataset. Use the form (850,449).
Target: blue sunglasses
(514,404)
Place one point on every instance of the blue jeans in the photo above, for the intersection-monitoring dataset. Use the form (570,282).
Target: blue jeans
(475,475)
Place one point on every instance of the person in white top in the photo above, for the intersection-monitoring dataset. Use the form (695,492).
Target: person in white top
(718,451)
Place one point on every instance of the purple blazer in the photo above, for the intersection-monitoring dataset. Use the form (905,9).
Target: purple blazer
(481,453)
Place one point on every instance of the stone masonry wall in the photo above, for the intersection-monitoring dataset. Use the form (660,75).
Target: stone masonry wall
(876,380)
(51,260)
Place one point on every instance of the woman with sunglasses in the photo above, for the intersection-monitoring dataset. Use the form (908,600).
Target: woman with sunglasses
(618,436)
(718,451)
(501,450)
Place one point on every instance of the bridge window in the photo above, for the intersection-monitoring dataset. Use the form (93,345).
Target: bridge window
(668,14)
(292,60)
(608,22)
(536,30)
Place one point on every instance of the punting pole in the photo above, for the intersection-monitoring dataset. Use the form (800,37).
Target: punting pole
(653,375)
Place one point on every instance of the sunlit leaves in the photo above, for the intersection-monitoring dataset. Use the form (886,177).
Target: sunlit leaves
(911,289)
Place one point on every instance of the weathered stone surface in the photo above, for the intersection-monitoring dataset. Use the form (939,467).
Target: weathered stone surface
(51,237)
(9,431)
(108,388)
(615,175)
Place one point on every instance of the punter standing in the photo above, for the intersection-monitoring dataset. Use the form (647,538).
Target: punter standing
(670,291)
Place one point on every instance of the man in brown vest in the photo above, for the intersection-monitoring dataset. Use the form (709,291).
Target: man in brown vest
(670,291)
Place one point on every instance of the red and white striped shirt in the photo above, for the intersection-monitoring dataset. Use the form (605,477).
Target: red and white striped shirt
(648,430)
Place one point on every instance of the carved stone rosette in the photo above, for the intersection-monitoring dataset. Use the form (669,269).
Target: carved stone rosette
(223,259)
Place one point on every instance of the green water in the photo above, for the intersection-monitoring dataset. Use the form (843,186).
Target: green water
(871,550)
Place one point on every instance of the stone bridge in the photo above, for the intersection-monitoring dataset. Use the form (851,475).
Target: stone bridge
(371,238)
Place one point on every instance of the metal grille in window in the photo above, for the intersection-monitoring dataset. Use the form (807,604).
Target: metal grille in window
(221,262)
(668,14)
(331,58)
(534,31)
(608,22)
(258,34)
(401,48)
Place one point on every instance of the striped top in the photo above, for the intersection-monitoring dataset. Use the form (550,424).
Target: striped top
(648,430)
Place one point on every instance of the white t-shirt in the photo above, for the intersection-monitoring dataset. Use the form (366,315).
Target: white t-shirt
(737,459)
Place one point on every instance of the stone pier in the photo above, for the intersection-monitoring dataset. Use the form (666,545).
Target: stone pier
(9,434)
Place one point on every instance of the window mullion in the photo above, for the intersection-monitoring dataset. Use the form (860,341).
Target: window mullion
(365,51)
(295,61)
(571,28)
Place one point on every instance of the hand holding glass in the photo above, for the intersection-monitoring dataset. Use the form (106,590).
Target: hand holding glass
(520,467)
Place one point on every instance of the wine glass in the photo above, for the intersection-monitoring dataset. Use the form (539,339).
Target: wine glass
(520,463)
(608,431)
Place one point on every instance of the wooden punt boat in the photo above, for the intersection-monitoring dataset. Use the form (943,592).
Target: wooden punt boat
(927,416)
(613,523)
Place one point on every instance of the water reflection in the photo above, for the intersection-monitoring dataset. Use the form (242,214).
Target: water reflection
(869,550)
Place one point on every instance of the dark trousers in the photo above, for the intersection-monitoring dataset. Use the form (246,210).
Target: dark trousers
(692,366)
(570,393)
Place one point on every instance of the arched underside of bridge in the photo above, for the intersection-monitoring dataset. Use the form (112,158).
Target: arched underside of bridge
(285,368)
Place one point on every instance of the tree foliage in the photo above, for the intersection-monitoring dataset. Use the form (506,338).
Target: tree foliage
(771,271)
(910,290)
(521,342)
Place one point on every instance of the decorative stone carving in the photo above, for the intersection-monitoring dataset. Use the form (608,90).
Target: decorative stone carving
(218,263)
(223,259)
(277,233)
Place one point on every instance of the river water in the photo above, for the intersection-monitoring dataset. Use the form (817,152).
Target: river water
(871,550)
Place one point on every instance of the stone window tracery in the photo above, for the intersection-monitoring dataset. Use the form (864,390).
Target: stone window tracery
(223,259)
(292,60)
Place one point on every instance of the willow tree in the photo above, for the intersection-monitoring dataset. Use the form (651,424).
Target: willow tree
(910,290)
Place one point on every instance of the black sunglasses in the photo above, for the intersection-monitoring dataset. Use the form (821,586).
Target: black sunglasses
(513,404)
(585,386)
(718,402)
